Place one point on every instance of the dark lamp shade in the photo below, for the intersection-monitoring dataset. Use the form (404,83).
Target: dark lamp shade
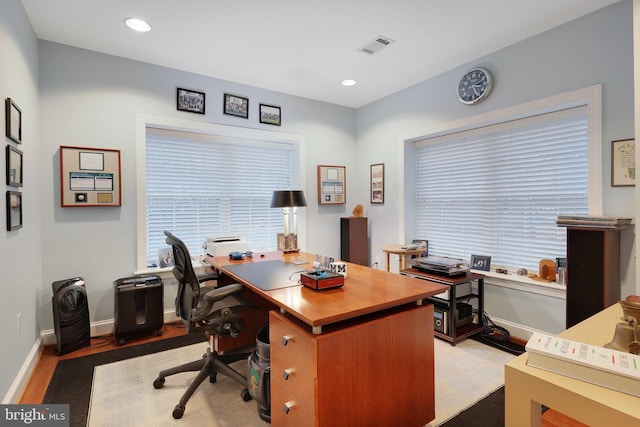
(288,199)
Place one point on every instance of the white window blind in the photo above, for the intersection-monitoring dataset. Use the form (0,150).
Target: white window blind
(498,190)
(197,187)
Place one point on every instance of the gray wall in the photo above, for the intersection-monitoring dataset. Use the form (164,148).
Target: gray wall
(594,49)
(20,250)
(75,97)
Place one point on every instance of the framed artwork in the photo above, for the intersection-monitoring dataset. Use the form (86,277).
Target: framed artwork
(623,163)
(190,100)
(14,210)
(234,105)
(480,262)
(14,166)
(13,116)
(332,185)
(377,183)
(89,177)
(270,114)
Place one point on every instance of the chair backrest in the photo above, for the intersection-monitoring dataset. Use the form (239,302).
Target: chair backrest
(188,294)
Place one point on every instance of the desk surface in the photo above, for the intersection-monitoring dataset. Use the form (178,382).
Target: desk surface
(365,291)
(586,402)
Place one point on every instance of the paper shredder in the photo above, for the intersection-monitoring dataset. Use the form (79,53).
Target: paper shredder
(138,307)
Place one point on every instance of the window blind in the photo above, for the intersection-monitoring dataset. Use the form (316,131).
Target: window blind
(498,190)
(200,187)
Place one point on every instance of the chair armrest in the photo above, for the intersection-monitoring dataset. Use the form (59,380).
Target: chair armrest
(220,293)
(205,277)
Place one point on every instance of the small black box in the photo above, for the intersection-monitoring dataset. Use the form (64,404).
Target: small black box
(138,306)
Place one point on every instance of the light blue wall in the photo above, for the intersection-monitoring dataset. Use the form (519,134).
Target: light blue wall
(75,97)
(20,250)
(596,49)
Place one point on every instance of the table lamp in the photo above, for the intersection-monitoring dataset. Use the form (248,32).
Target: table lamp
(289,200)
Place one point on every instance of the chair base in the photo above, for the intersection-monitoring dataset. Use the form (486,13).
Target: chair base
(209,366)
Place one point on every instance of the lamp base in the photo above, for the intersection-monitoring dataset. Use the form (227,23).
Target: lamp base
(290,251)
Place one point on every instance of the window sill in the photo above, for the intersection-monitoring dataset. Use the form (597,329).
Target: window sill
(167,272)
(523,283)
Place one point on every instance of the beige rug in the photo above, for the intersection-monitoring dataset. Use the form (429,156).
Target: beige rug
(123,395)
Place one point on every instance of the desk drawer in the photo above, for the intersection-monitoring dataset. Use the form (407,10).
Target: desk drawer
(287,410)
(293,359)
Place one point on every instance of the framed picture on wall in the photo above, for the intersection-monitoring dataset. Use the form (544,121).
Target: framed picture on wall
(14,166)
(190,100)
(14,210)
(270,114)
(234,105)
(332,185)
(13,116)
(377,183)
(623,163)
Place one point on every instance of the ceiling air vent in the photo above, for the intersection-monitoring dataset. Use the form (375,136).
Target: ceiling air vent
(376,44)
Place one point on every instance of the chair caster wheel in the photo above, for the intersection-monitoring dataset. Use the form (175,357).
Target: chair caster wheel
(246,396)
(178,412)
(158,383)
(213,378)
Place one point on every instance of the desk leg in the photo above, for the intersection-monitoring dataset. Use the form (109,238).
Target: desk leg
(386,259)
(400,262)
(520,410)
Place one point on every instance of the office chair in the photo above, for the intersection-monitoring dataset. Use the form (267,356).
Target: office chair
(212,311)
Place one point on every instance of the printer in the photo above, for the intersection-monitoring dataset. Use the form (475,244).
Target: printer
(223,245)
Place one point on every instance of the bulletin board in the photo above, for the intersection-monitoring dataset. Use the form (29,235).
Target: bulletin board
(89,177)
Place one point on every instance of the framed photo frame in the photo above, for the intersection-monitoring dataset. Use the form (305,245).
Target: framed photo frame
(623,163)
(480,262)
(270,115)
(332,185)
(89,177)
(377,183)
(13,116)
(14,210)
(14,166)
(190,100)
(234,105)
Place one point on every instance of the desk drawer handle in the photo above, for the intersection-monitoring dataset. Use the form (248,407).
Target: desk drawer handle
(286,339)
(287,407)
(287,373)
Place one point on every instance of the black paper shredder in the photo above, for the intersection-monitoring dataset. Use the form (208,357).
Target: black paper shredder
(138,307)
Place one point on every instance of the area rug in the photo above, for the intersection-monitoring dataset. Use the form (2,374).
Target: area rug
(123,394)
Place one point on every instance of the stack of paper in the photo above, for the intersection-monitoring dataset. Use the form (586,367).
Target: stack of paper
(597,365)
(605,222)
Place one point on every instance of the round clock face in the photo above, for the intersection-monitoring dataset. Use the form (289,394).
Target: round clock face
(474,86)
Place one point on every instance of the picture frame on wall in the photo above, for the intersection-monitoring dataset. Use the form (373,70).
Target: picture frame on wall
(14,166)
(623,163)
(191,101)
(270,115)
(13,115)
(377,183)
(234,105)
(14,210)
(332,185)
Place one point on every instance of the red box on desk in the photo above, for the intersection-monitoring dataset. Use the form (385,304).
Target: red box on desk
(322,280)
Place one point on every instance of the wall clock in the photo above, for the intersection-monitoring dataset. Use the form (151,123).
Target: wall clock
(474,86)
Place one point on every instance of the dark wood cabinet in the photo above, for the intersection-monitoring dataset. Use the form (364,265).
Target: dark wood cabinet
(354,240)
(593,271)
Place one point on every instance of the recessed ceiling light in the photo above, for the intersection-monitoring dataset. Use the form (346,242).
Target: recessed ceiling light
(348,82)
(137,25)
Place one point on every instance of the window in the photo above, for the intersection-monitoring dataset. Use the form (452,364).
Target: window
(497,190)
(201,185)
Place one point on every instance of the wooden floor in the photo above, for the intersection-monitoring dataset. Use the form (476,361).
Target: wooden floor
(41,375)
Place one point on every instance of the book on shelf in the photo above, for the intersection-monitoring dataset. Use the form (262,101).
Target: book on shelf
(602,366)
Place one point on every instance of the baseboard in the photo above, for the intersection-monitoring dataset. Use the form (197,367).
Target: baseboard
(48,337)
(516,331)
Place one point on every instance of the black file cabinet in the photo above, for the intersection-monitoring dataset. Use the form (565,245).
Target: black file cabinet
(138,307)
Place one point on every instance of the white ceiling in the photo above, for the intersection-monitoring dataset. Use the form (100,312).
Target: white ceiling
(303,47)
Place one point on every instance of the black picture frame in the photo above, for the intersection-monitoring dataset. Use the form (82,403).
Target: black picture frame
(14,210)
(13,115)
(376,183)
(14,166)
(234,105)
(480,262)
(190,101)
(270,114)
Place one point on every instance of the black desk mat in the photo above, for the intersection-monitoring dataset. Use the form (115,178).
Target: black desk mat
(268,275)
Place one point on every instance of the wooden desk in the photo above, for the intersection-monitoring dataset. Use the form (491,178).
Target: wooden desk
(360,355)
(527,388)
(402,255)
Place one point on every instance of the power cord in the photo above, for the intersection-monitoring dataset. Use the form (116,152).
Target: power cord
(494,334)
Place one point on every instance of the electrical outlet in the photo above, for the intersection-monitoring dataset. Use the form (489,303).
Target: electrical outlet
(19,322)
